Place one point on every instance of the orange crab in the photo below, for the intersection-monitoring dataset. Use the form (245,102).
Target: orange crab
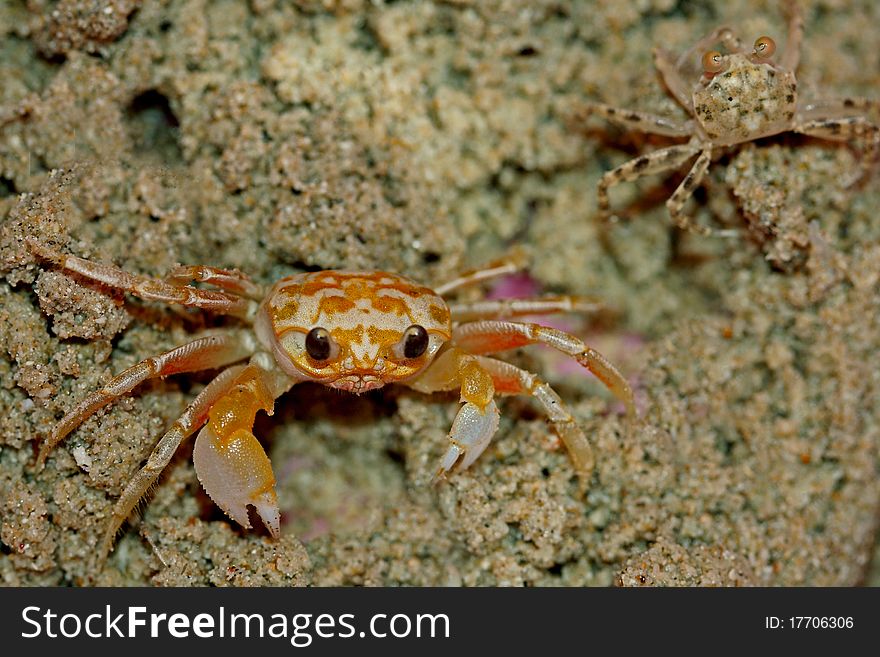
(354,331)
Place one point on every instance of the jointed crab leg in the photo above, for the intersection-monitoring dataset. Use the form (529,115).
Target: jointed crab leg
(675,203)
(653,124)
(202,354)
(514,262)
(230,280)
(193,417)
(492,336)
(792,55)
(496,308)
(664,62)
(511,380)
(831,108)
(151,289)
(853,128)
(662,160)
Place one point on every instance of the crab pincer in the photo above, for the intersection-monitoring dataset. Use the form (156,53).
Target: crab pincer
(230,462)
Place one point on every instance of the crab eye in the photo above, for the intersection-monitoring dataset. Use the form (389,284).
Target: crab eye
(765,47)
(713,62)
(415,341)
(318,343)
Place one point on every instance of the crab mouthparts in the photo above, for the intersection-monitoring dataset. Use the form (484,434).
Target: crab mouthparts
(358,383)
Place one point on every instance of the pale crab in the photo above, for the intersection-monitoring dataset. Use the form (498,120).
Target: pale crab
(737,97)
(353,331)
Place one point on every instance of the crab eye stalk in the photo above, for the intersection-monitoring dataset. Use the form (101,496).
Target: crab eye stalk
(318,344)
(713,62)
(415,341)
(765,47)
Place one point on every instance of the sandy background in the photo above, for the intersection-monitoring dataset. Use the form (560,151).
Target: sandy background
(423,137)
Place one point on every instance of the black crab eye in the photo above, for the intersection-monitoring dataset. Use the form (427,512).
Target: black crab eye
(318,343)
(415,341)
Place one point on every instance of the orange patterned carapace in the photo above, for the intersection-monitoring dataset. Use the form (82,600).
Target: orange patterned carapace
(366,315)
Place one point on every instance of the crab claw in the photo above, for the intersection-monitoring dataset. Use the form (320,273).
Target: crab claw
(471,432)
(236,472)
(230,462)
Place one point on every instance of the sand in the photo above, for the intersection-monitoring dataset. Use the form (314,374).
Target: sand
(423,138)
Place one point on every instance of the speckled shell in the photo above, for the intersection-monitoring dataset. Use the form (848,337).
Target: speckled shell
(747,101)
(366,314)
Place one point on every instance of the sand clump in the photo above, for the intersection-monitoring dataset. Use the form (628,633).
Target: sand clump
(422,138)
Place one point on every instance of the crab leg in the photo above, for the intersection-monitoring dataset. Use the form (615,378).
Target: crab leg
(511,380)
(792,55)
(150,289)
(832,108)
(514,262)
(685,190)
(230,463)
(496,308)
(492,336)
(855,128)
(230,280)
(656,162)
(193,417)
(641,121)
(202,354)
(664,62)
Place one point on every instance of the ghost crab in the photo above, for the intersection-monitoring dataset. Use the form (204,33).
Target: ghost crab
(738,97)
(354,331)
